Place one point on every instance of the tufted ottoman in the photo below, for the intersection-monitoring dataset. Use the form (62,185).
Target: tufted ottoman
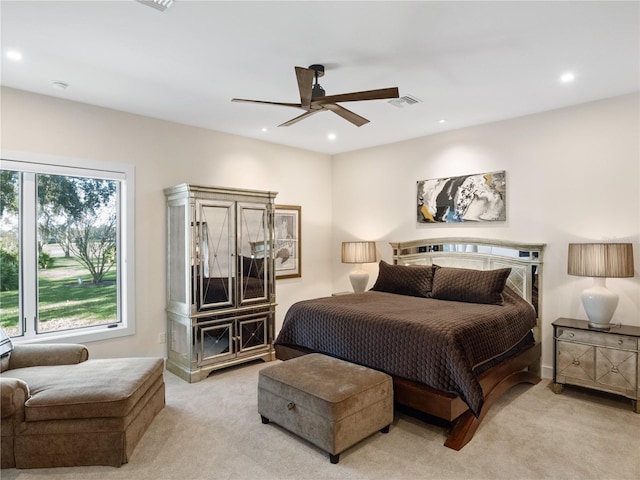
(329,402)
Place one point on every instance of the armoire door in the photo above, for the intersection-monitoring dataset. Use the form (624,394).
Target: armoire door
(215,261)
(215,342)
(254,237)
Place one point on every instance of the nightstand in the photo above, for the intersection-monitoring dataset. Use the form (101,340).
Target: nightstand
(605,360)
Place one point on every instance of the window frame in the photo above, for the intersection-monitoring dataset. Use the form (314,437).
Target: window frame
(125,174)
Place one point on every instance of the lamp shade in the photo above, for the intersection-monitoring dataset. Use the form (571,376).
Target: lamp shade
(600,261)
(612,260)
(358,252)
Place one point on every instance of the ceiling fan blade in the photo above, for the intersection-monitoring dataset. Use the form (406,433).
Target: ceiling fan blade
(305,84)
(267,103)
(301,117)
(378,94)
(354,118)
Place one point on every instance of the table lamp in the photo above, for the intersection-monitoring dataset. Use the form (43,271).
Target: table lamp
(600,261)
(359,253)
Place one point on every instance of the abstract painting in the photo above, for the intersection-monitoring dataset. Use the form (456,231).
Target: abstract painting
(468,198)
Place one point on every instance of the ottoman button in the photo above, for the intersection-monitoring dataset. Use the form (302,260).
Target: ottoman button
(290,405)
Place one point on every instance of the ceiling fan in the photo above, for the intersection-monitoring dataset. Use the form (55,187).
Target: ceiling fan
(313,98)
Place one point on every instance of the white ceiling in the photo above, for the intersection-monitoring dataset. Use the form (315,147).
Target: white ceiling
(469,62)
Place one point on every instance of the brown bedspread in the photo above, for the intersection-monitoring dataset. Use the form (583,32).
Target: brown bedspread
(435,342)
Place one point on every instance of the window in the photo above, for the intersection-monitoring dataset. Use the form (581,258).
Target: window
(66,248)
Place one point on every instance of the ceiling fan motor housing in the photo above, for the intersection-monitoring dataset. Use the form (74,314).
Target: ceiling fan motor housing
(317,90)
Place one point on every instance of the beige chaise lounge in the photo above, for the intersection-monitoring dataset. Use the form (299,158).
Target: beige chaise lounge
(60,409)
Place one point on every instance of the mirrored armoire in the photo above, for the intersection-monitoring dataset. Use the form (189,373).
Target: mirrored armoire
(220,278)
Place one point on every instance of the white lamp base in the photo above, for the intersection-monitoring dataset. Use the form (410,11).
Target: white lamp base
(359,279)
(599,303)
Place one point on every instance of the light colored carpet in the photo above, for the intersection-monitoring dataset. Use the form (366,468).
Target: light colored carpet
(211,430)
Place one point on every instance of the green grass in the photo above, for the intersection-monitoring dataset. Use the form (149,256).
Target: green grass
(62,297)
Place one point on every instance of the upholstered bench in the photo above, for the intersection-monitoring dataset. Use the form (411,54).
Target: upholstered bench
(329,402)
(60,409)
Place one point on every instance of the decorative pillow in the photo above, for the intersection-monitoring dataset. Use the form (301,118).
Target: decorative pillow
(252,267)
(5,343)
(413,280)
(467,285)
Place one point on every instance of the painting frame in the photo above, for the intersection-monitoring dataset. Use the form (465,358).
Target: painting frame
(474,198)
(288,241)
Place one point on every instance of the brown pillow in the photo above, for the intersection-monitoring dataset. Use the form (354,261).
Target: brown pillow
(467,285)
(413,280)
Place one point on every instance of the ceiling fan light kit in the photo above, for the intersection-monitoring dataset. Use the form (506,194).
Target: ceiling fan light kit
(313,97)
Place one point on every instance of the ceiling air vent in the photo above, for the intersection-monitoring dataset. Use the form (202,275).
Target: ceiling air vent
(161,5)
(405,101)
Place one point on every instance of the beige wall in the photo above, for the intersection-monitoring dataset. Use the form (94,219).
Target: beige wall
(572,176)
(166,154)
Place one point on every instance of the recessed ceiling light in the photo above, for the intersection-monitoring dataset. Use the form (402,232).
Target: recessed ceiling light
(567,77)
(14,55)
(264,129)
(331,136)
(442,120)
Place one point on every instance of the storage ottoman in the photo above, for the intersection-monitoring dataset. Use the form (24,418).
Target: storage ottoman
(329,402)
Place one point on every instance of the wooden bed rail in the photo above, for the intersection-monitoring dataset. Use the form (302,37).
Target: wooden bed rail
(495,382)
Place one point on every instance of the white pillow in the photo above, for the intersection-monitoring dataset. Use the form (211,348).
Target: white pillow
(5,343)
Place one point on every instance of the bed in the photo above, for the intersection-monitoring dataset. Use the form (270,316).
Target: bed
(452,320)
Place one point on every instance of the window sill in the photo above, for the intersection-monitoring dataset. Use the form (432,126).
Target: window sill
(78,336)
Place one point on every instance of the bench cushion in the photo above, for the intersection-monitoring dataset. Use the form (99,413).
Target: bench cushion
(85,390)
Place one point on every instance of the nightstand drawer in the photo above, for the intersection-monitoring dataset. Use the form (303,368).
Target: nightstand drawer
(598,338)
(622,342)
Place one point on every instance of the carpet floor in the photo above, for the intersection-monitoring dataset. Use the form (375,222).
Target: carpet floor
(211,430)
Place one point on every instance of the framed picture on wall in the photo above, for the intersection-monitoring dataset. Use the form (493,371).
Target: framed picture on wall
(287,238)
(468,198)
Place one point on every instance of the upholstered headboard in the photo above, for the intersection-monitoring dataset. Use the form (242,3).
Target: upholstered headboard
(524,259)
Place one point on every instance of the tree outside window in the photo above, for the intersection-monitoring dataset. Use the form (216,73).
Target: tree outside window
(77,238)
